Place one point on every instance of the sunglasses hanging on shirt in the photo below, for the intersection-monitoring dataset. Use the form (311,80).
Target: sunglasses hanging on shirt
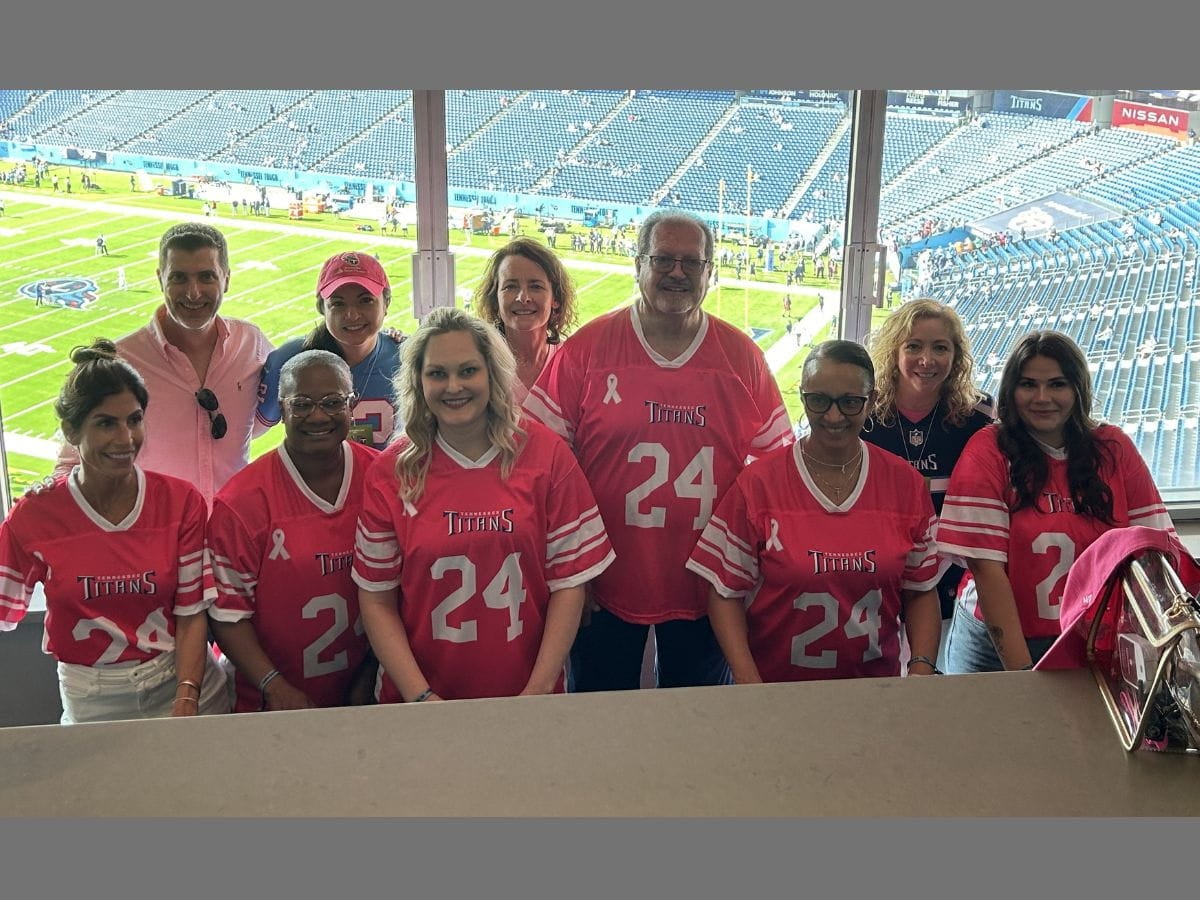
(209,403)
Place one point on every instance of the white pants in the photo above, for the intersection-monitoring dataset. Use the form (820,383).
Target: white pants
(142,691)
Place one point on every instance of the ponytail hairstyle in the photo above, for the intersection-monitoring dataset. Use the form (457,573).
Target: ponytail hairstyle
(99,373)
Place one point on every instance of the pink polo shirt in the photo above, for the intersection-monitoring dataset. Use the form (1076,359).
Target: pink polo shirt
(178,437)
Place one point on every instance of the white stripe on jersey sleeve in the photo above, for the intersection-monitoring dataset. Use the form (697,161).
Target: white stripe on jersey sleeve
(1152,517)
(376,549)
(775,432)
(712,578)
(223,614)
(557,584)
(539,405)
(191,572)
(367,585)
(984,512)
(925,558)
(14,593)
(565,543)
(231,581)
(736,556)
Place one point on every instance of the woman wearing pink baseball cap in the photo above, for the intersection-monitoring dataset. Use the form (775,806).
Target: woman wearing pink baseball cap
(353,296)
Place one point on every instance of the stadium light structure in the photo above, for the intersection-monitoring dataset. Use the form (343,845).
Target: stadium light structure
(751,177)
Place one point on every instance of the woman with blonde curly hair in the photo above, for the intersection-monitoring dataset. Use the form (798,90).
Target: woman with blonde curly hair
(928,404)
(528,295)
(478,530)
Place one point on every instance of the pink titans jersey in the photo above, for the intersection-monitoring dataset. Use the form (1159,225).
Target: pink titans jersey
(660,441)
(822,581)
(112,591)
(282,555)
(477,558)
(1040,543)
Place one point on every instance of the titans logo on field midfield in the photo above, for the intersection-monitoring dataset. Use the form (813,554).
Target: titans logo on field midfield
(70,293)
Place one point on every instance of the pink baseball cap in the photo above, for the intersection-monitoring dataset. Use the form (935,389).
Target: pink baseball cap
(1089,578)
(352,267)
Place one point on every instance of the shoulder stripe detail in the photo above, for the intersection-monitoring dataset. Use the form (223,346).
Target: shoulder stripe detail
(539,405)
(712,578)
(558,584)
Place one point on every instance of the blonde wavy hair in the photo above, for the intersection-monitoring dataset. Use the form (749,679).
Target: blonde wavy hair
(958,390)
(420,425)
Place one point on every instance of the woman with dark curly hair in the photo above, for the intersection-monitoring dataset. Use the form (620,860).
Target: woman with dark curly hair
(1028,495)
(928,404)
(528,295)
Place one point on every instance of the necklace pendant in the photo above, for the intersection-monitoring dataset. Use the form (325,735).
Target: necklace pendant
(916,437)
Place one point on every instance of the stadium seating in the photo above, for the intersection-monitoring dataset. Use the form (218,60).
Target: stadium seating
(1125,286)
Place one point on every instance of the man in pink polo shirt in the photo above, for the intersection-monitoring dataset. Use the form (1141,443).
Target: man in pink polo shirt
(201,370)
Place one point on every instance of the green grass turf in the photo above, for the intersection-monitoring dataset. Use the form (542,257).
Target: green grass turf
(275,264)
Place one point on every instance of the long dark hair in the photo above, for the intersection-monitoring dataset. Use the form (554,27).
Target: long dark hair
(1028,467)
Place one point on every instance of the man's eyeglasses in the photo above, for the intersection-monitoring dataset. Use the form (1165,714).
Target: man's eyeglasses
(847,404)
(209,403)
(331,404)
(690,264)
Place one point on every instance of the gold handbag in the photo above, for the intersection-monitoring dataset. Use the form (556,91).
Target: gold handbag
(1144,651)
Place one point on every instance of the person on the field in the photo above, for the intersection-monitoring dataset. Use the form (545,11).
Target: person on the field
(662,404)
(1027,496)
(928,404)
(528,295)
(120,554)
(353,296)
(282,539)
(201,368)
(820,550)
(478,530)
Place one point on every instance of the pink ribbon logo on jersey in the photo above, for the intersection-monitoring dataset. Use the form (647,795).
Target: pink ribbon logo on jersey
(278,551)
(773,541)
(611,395)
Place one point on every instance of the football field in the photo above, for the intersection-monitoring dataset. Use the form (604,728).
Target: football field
(51,239)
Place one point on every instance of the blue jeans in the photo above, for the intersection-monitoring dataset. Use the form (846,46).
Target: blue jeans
(607,654)
(969,647)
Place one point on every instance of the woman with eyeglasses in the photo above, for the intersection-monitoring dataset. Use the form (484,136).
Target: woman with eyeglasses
(819,548)
(282,540)
(1028,495)
(478,531)
(120,554)
(353,296)
(928,405)
(528,296)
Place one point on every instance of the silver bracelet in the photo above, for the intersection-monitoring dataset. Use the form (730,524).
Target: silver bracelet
(262,686)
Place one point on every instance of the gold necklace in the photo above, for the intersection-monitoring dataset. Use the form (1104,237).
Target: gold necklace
(837,489)
(839,466)
(826,484)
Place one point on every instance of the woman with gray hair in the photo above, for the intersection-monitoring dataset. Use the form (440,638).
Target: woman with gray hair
(478,531)
(281,536)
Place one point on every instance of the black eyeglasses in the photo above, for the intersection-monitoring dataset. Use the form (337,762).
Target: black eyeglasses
(690,264)
(331,404)
(209,403)
(847,404)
